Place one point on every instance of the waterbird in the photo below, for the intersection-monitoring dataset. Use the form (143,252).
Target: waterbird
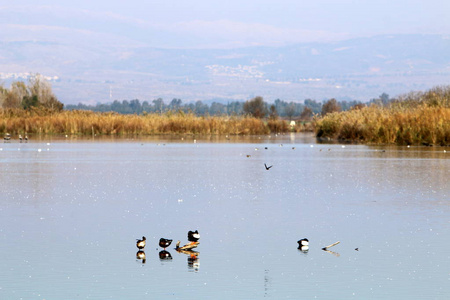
(303,242)
(303,245)
(267,168)
(20,138)
(193,236)
(140,243)
(164,243)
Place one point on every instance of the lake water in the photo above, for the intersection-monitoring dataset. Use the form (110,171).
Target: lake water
(71,213)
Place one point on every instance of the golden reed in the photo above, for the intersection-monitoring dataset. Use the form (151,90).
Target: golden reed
(421,119)
(45,122)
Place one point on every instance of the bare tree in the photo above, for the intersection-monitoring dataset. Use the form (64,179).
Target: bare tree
(40,88)
(290,110)
(306,114)
(273,114)
(13,97)
(330,106)
(255,107)
(3,94)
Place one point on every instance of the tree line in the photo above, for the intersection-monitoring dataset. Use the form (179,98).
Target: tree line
(37,93)
(256,107)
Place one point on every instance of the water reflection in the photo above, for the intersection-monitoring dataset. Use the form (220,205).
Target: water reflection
(165,255)
(332,252)
(78,190)
(140,255)
(192,260)
(267,281)
(303,249)
(303,245)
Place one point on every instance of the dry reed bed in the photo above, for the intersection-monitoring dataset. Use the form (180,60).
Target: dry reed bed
(423,124)
(88,123)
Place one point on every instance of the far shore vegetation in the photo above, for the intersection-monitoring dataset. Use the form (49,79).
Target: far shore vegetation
(419,118)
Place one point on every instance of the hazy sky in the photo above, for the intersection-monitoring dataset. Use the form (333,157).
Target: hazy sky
(233,22)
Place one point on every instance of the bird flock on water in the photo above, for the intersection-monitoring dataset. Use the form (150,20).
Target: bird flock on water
(193,242)
(194,236)
(7,138)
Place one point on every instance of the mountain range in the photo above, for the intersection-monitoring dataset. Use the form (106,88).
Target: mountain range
(84,70)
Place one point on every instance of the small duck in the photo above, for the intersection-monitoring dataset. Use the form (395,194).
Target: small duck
(193,236)
(140,243)
(20,138)
(164,243)
(26,138)
(303,244)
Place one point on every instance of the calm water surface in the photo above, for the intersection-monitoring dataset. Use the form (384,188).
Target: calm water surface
(71,213)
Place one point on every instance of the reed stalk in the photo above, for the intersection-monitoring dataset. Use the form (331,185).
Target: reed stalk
(91,123)
(423,124)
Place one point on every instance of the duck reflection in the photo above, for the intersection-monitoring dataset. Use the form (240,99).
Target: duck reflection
(303,249)
(303,245)
(140,255)
(193,261)
(165,255)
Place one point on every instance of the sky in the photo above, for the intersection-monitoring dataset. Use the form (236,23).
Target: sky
(224,24)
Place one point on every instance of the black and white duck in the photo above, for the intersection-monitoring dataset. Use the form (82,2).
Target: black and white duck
(193,236)
(303,244)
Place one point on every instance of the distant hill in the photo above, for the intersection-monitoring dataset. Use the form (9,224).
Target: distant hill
(360,69)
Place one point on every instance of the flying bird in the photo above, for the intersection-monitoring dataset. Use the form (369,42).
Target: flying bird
(140,243)
(267,168)
(164,243)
